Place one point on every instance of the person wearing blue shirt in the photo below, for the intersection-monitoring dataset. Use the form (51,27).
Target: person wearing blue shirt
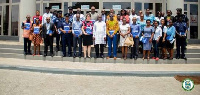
(135,33)
(66,38)
(58,23)
(171,30)
(181,28)
(149,16)
(77,35)
(54,16)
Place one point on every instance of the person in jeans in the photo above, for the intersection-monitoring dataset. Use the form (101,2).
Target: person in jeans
(77,35)
(156,39)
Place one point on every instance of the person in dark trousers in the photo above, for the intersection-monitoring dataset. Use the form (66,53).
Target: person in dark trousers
(135,33)
(66,37)
(181,32)
(58,23)
(26,26)
(71,15)
(47,32)
(168,17)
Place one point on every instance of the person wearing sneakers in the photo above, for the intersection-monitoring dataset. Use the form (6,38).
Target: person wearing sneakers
(156,39)
(112,28)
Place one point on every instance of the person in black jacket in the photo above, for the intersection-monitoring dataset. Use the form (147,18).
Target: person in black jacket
(168,17)
(47,32)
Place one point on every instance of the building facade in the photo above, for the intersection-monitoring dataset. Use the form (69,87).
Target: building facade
(13,12)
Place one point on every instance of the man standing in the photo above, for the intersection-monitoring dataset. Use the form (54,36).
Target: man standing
(181,32)
(114,16)
(168,17)
(82,17)
(94,15)
(103,15)
(99,35)
(58,23)
(112,27)
(77,35)
(149,16)
(47,14)
(132,15)
(135,33)
(66,37)
(26,26)
(47,32)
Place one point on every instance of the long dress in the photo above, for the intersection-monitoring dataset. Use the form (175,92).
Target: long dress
(147,34)
(124,30)
(37,39)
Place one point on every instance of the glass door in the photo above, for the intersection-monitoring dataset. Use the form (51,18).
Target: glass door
(193,21)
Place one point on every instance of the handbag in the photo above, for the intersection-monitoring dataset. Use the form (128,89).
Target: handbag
(129,41)
(30,37)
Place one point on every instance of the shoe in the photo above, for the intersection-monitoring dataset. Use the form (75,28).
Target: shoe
(164,58)
(51,55)
(29,53)
(135,57)
(184,58)
(143,58)
(74,56)
(102,56)
(96,56)
(157,58)
(148,58)
(115,58)
(33,54)
(177,57)
(153,57)
(45,55)
(125,58)
(170,58)
(63,55)
(88,57)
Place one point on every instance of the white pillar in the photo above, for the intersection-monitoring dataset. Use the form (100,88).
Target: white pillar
(174,4)
(27,7)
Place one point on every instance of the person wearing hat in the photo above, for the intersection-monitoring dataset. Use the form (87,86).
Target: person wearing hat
(66,38)
(47,14)
(58,23)
(82,17)
(180,21)
(55,14)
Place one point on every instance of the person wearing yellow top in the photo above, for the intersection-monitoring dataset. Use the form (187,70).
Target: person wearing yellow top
(112,27)
(114,16)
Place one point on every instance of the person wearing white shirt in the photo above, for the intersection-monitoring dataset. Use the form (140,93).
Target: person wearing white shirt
(162,43)
(99,35)
(47,14)
(156,38)
(132,15)
(82,17)
(159,17)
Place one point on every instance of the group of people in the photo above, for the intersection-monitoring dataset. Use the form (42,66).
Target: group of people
(146,30)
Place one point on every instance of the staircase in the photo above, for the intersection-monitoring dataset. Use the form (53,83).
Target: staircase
(15,50)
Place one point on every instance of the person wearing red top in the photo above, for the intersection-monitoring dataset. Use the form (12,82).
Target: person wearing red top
(37,16)
(124,15)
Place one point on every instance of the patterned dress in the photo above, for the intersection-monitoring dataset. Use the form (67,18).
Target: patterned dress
(37,38)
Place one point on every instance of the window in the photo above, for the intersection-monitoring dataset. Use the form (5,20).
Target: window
(44,5)
(66,7)
(185,7)
(15,1)
(14,20)
(76,5)
(138,7)
(58,5)
(158,8)
(124,5)
(4,1)
(148,6)
(191,0)
(5,19)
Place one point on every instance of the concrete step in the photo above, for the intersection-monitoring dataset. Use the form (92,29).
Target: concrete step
(101,60)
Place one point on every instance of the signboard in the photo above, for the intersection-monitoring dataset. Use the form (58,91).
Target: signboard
(55,7)
(85,6)
(116,7)
(193,20)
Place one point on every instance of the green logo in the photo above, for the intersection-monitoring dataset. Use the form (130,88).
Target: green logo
(188,84)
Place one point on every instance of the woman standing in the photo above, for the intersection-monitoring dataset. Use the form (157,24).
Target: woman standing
(124,15)
(159,17)
(162,43)
(37,16)
(87,29)
(124,31)
(156,40)
(170,39)
(142,24)
(37,39)
(147,38)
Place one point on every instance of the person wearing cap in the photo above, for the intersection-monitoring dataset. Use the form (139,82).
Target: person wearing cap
(94,15)
(181,33)
(58,23)
(26,26)
(112,27)
(168,17)
(48,29)
(82,17)
(66,38)
(55,15)
(149,16)
(99,35)
(37,16)
(37,39)
(77,35)
(47,14)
